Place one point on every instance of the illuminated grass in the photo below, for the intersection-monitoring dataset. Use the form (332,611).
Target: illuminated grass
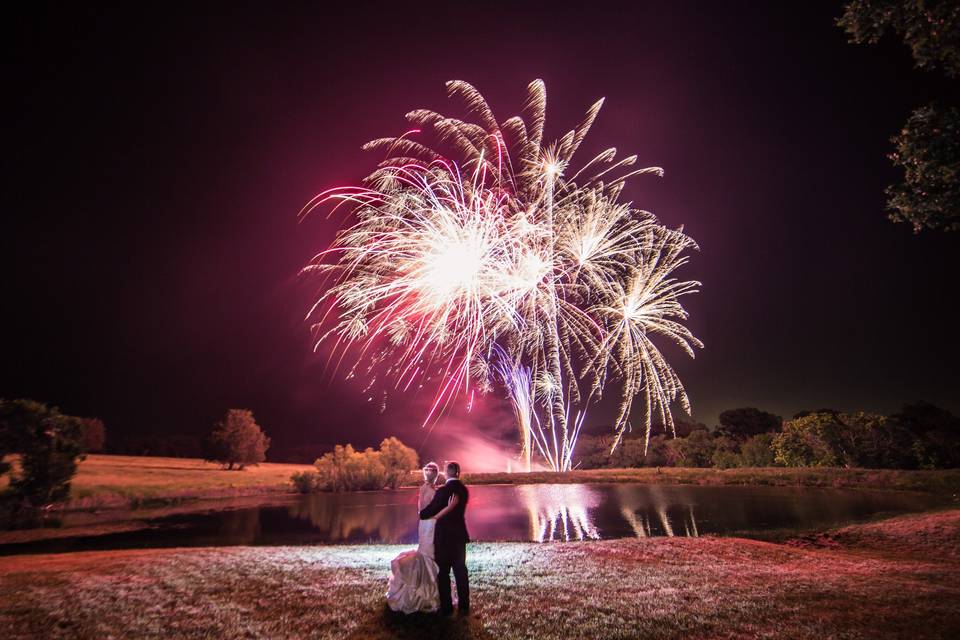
(896,578)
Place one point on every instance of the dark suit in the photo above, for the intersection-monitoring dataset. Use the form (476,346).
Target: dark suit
(450,540)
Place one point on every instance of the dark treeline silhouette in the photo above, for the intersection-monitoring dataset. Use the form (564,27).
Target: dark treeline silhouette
(172,446)
(919,436)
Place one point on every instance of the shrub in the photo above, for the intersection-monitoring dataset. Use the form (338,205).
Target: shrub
(304,481)
(726,454)
(237,440)
(49,446)
(758,451)
(726,459)
(346,469)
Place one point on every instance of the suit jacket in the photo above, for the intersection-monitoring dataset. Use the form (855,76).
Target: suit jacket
(451,531)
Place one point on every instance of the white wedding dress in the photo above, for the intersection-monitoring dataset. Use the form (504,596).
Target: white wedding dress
(413,573)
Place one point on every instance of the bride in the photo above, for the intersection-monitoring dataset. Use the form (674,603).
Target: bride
(413,573)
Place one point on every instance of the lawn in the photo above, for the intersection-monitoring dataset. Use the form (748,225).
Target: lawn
(892,579)
(104,480)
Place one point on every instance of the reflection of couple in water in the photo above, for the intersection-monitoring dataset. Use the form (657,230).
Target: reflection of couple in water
(420,579)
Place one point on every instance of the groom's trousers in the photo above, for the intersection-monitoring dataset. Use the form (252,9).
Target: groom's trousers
(455,559)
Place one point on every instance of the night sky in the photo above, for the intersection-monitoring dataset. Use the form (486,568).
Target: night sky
(156,161)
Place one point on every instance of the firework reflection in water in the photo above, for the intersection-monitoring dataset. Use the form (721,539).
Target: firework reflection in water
(560,512)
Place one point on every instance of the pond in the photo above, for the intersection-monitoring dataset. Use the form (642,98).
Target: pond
(539,513)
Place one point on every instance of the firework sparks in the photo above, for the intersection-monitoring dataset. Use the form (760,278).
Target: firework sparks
(480,255)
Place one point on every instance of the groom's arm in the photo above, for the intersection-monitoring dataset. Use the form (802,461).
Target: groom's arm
(439,502)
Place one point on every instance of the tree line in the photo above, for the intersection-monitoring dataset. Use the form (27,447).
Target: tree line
(919,436)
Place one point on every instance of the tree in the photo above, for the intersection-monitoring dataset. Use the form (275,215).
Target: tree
(936,434)
(845,439)
(807,412)
(928,146)
(93,435)
(808,441)
(684,428)
(746,422)
(238,440)
(49,446)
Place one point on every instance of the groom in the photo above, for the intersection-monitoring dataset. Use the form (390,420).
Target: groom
(450,540)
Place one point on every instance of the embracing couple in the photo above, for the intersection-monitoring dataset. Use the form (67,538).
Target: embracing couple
(420,579)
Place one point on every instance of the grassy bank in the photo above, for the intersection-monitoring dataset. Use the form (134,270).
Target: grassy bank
(892,579)
(104,481)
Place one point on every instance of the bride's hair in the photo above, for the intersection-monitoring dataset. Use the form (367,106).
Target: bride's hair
(430,472)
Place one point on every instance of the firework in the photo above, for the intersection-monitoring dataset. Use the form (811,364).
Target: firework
(479,256)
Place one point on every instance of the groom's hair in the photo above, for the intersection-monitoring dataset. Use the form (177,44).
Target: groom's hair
(453,469)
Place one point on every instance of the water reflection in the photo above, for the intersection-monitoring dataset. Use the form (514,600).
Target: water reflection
(241,526)
(342,518)
(540,513)
(560,512)
(649,512)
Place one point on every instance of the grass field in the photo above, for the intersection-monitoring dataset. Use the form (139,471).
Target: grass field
(892,579)
(105,481)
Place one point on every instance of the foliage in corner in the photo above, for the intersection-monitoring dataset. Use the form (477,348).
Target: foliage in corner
(928,146)
(931,28)
(49,445)
(928,151)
